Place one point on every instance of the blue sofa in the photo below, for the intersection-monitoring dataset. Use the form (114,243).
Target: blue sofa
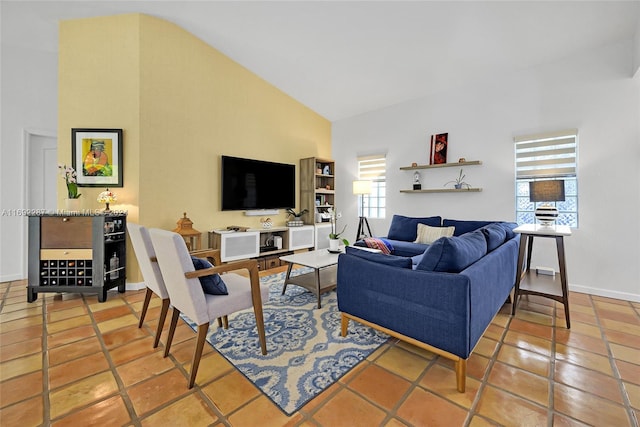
(442,299)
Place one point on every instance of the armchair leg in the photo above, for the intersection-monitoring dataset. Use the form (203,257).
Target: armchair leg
(344,325)
(197,355)
(145,305)
(163,315)
(257,310)
(461,374)
(172,330)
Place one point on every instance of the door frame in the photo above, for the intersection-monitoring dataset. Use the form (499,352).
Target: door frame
(27,135)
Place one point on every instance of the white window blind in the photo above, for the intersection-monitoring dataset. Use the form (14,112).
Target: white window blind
(373,168)
(546,156)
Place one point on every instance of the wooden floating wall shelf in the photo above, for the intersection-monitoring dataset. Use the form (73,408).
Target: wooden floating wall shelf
(444,190)
(442,165)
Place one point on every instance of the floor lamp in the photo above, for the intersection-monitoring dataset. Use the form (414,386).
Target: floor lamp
(362,188)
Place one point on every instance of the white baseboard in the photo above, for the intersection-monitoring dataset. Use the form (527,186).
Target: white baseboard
(135,286)
(626,296)
(11,278)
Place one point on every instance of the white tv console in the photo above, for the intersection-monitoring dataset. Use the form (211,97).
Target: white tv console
(261,243)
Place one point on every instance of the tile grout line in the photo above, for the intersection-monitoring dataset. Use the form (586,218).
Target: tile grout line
(197,387)
(552,366)
(46,390)
(626,403)
(122,390)
(177,366)
(494,360)
(484,382)
(392,412)
(413,385)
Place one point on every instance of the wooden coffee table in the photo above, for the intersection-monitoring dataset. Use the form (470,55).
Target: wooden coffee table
(322,279)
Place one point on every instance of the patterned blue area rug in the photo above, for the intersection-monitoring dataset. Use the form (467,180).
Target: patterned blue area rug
(306,353)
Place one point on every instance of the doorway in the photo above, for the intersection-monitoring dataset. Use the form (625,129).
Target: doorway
(41,170)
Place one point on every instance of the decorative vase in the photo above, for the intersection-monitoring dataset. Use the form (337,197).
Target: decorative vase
(72,204)
(334,245)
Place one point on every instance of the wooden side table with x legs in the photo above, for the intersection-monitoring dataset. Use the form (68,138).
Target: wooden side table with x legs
(530,283)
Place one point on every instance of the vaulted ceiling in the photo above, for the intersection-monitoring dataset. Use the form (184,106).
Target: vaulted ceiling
(344,58)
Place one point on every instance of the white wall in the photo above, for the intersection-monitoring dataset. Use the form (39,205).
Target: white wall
(593,92)
(29,84)
(636,52)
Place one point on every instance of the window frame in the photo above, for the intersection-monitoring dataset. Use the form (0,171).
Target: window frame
(373,168)
(543,157)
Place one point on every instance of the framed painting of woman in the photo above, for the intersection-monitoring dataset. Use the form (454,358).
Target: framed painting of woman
(97,157)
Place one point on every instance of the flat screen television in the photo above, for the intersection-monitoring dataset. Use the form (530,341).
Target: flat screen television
(249,184)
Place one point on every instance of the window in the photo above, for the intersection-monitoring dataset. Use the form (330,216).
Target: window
(373,168)
(547,157)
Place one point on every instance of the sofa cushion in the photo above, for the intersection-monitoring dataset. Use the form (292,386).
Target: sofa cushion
(508,228)
(213,283)
(454,254)
(463,227)
(380,258)
(406,228)
(408,249)
(495,235)
(428,234)
(416,259)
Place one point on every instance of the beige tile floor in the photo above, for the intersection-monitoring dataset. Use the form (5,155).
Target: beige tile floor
(67,360)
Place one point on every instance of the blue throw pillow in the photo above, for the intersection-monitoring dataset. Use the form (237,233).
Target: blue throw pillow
(380,258)
(406,228)
(463,226)
(495,235)
(454,254)
(508,228)
(211,284)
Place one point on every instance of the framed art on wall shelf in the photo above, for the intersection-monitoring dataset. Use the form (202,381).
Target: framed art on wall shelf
(438,149)
(97,156)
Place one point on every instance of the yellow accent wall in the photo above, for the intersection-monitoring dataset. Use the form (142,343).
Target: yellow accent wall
(182,104)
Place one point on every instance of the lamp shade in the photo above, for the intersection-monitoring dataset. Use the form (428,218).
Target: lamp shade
(546,191)
(361,187)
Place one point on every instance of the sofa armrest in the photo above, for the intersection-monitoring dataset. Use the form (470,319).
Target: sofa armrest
(430,307)
(491,279)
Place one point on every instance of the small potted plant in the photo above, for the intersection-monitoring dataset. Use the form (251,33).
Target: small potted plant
(334,236)
(69,176)
(297,217)
(459,182)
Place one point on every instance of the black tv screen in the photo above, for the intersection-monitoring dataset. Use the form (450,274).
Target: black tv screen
(249,184)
